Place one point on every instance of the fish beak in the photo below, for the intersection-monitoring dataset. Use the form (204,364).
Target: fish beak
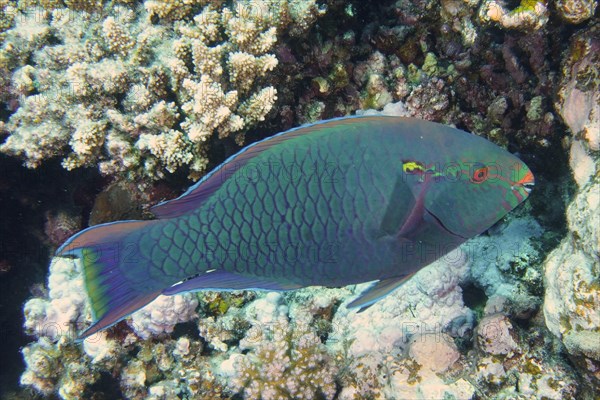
(527,182)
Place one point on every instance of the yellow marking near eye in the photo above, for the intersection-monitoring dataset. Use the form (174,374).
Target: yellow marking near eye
(412,166)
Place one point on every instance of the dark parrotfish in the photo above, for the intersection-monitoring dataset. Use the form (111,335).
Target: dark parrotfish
(334,203)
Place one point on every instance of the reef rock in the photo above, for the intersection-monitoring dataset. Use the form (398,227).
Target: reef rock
(572,301)
(578,100)
(576,11)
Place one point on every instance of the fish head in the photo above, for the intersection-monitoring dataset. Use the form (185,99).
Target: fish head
(471,184)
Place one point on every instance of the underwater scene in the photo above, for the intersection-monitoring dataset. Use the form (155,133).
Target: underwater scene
(299,199)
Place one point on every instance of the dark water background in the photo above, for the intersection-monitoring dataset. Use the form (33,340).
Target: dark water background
(26,198)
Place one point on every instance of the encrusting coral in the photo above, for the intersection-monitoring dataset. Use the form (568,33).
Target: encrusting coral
(529,15)
(136,97)
(163,314)
(576,11)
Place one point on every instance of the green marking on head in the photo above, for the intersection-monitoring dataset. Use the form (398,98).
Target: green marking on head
(472,182)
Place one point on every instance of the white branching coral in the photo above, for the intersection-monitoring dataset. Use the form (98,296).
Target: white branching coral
(172,147)
(244,68)
(208,109)
(85,141)
(211,99)
(172,9)
(117,36)
(136,98)
(258,105)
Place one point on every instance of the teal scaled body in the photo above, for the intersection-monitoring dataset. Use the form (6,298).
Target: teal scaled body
(338,202)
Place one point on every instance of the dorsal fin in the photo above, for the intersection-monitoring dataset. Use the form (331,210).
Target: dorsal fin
(204,188)
(94,235)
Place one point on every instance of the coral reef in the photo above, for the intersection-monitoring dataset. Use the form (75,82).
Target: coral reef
(57,368)
(404,345)
(8,11)
(495,83)
(576,11)
(572,298)
(578,101)
(54,361)
(59,316)
(66,307)
(142,89)
(141,98)
(173,369)
(306,343)
(529,15)
(510,363)
(373,342)
(508,264)
(163,314)
(284,360)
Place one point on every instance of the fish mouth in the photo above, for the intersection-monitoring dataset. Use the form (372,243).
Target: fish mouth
(527,182)
(528,186)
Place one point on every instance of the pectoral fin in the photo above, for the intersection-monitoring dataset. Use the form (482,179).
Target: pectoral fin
(404,215)
(398,210)
(377,291)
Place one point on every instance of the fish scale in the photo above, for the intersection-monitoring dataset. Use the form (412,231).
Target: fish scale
(334,203)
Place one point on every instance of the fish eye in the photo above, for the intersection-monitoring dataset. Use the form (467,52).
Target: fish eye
(480,175)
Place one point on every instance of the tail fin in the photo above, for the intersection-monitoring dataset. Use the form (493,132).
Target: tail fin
(102,250)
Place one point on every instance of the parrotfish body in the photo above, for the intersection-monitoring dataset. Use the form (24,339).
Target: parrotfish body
(338,202)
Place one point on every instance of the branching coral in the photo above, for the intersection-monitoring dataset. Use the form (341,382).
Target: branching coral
(172,9)
(285,361)
(138,98)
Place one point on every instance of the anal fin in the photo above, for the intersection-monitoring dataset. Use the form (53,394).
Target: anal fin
(377,291)
(223,280)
